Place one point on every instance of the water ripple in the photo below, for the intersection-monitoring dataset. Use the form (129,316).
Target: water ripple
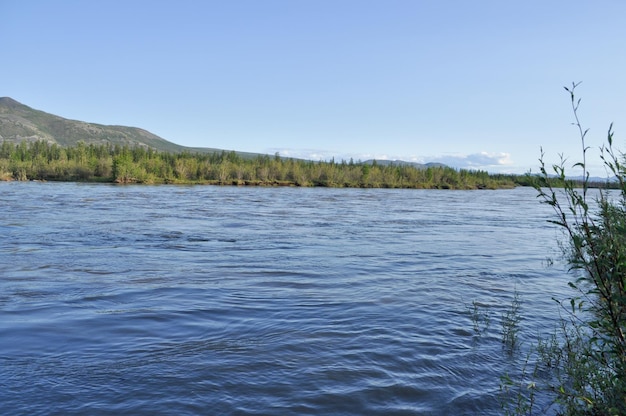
(243,301)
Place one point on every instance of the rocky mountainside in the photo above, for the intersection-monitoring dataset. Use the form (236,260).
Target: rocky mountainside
(19,122)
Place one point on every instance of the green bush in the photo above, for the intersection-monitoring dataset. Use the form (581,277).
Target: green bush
(583,366)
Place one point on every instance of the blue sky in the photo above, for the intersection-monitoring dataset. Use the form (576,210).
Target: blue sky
(474,84)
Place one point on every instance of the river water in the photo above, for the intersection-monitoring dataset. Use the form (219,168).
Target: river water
(243,301)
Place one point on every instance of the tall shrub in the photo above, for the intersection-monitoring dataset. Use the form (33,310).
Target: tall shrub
(587,361)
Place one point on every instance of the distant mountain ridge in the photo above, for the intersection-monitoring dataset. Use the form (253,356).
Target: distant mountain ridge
(386,162)
(19,122)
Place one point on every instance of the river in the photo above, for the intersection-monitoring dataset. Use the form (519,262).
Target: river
(210,300)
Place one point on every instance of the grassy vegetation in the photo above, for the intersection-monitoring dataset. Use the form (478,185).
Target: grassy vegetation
(123,164)
(582,366)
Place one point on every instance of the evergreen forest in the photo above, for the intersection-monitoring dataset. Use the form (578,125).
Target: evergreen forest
(40,160)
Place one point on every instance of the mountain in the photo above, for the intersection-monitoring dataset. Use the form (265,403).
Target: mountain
(403,163)
(19,122)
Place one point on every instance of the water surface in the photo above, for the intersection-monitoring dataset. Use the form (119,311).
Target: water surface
(242,301)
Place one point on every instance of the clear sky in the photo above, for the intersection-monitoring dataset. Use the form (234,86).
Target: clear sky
(474,84)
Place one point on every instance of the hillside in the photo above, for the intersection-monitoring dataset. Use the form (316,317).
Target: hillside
(403,163)
(19,122)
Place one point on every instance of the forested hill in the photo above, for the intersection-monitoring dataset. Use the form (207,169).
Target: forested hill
(19,122)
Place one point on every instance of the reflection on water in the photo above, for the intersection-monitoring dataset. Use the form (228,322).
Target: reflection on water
(211,300)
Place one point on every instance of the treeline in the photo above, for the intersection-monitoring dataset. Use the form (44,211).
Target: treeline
(40,160)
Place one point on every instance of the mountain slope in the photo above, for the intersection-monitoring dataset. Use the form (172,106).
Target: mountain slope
(385,162)
(19,122)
